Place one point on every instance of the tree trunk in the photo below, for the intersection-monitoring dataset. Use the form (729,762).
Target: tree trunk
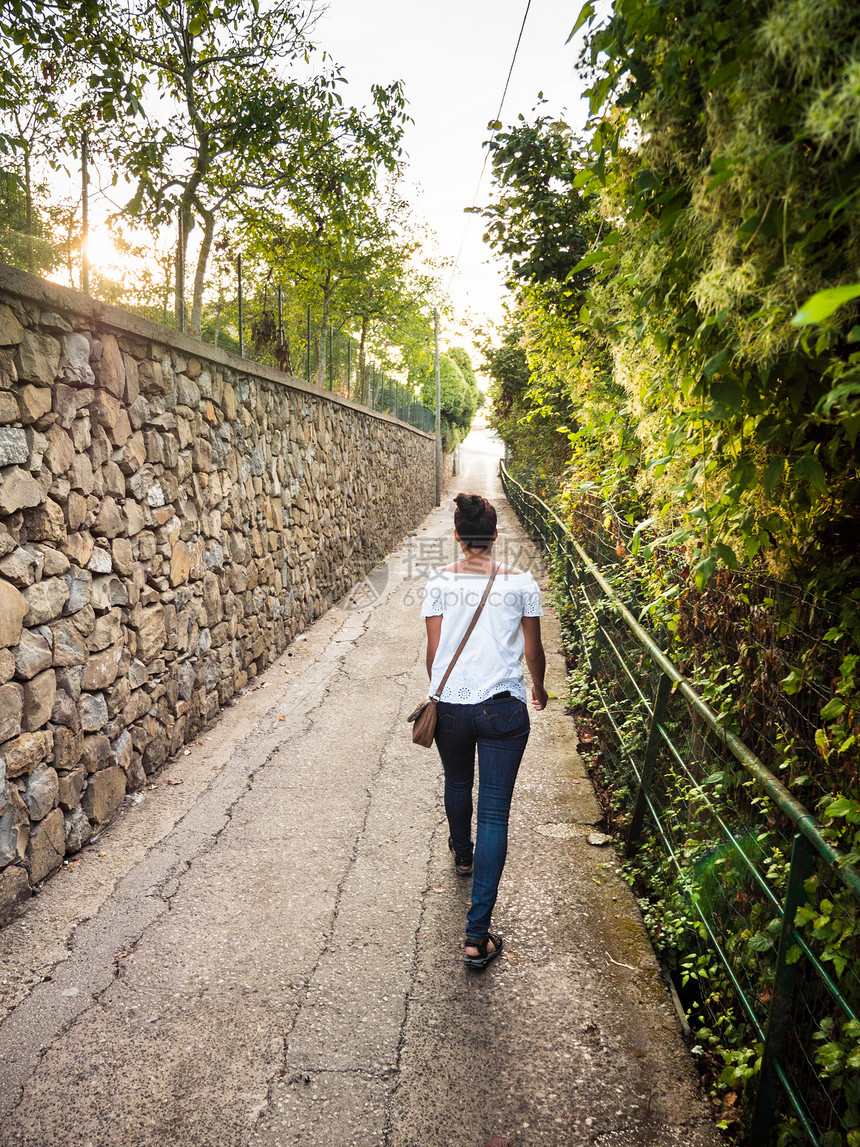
(200,275)
(181,250)
(322,345)
(28,190)
(362,361)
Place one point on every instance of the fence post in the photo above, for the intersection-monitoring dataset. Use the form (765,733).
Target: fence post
(241,317)
(308,374)
(348,364)
(596,646)
(330,355)
(649,761)
(779,1014)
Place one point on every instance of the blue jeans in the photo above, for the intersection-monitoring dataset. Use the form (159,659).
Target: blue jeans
(499,730)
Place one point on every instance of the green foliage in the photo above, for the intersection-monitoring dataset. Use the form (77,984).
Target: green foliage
(459,396)
(689,395)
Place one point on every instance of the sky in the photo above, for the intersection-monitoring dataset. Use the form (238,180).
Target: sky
(453,57)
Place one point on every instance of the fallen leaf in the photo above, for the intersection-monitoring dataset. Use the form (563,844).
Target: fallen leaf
(175,781)
(513,957)
(282,717)
(440,889)
(102,854)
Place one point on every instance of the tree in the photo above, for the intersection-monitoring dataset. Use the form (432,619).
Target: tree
(239,133)
(537,220)
(459,399)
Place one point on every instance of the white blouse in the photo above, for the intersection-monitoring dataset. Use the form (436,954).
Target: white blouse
(490,662)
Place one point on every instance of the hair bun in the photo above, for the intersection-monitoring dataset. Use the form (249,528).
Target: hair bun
(470,505)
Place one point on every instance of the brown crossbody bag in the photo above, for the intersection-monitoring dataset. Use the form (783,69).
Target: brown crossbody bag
(423,717)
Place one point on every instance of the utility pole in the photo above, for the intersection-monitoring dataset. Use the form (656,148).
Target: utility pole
(438,412)
(241,313)
(180,272)
(85,214)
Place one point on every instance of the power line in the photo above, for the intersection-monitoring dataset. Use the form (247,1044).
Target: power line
(489,143)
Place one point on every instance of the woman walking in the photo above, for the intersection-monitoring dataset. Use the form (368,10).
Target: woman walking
(483,703)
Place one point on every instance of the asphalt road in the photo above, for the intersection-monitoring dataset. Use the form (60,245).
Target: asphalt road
(264,948)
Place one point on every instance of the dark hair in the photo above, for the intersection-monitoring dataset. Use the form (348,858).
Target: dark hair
(475,520)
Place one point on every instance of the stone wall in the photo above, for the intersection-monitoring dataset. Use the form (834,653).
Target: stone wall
(171,516)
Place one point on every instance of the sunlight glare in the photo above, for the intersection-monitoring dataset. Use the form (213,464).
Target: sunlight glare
(101,251)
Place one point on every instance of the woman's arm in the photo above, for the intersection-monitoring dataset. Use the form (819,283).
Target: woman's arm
(434,632)
(535,660)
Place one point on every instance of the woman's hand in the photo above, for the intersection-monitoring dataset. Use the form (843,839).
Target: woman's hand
(540,697)
(535,660)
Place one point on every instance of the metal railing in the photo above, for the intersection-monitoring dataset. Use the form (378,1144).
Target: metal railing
(740,871)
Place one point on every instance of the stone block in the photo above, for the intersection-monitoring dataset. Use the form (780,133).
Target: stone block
(7,667)
(81,474)
(61,450)
(13,446)
(11,331)
(111,367)
(8,408)
(120,432)
(14,823)
(70,788)
(84,620)
(97,753)
(34,402)
(105,793)
(135,519)
(56,562)
(47,846)
(39,696)
(79,583)
(68,744)
(65,407)
(151,634)
(11,711)
(75,360)
(107,592)
(69,647)
(105,408)
(19,490)
(114,480)
(78,830)
(109,521)
(13,608)
(24,753)
(132,380)
(100,561)
(41,792)
(45,600)
(32,654)
(93,711)
(14,891)
(180,564)
(107,631)
(122,555)
(47,523)
(37,359)
(20,567)
(101,668)
(153,381)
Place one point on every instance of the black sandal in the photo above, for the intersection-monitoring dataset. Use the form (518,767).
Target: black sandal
(462,864)
(484,956)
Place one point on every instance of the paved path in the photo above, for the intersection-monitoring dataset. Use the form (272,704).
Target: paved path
(264,949)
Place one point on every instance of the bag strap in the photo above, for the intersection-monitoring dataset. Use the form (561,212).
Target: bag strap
(437,695)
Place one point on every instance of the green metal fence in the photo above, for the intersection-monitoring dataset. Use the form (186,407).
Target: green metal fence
(735,875)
